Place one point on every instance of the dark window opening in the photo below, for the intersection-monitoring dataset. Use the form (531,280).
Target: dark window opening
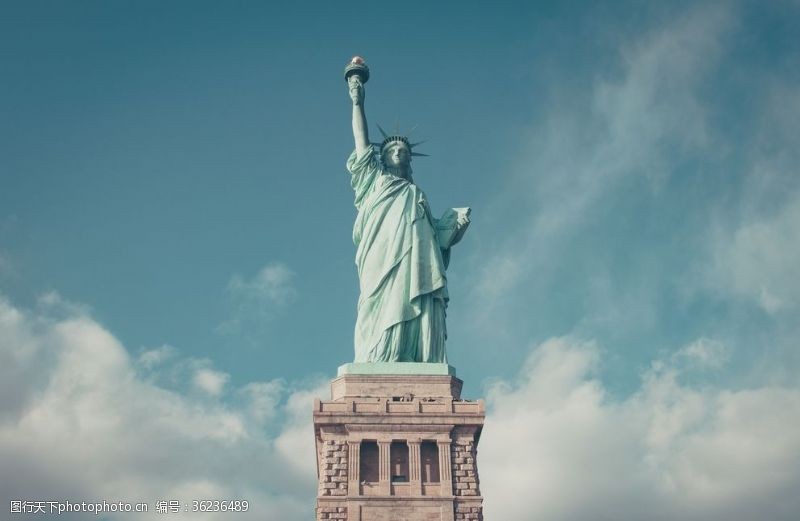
(368,467)
(429,454)
(398,457)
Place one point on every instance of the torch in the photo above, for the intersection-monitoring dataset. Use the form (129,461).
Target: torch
(357,67)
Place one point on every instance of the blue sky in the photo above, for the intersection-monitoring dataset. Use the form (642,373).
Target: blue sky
(175,223)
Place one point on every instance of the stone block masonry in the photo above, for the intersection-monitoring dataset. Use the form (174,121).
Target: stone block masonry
(333,469)
(465,471)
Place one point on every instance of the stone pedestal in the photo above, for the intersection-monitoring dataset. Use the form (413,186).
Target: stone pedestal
(398,447)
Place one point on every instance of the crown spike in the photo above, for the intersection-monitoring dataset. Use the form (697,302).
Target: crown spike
(397,138)
(408,134)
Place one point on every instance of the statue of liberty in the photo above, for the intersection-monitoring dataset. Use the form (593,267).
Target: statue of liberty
(402,251)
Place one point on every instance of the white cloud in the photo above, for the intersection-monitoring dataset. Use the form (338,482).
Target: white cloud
(629,125)
(669,451)
(52,304)
(77,421)
(295,438)
(271,284)
(704,353)
(210,381)
(255,301)
(152,358)
(263,398)
(759,260)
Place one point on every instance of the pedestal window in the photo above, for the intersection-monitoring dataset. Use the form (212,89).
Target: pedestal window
(368,468)
(399,462)
(429,454)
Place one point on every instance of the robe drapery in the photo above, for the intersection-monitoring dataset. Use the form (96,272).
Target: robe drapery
(401,271)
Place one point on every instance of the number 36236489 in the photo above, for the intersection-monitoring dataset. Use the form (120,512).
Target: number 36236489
(218,505)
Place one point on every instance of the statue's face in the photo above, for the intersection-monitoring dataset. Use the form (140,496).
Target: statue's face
(396,155)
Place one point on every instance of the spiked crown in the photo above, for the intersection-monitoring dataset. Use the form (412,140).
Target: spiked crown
(397,138)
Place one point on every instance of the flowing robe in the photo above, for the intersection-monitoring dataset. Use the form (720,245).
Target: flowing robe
(401,270)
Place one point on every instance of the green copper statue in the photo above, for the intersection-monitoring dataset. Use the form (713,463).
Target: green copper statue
(402,251)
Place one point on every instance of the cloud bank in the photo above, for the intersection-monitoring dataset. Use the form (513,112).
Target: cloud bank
(556,446)
(81,420)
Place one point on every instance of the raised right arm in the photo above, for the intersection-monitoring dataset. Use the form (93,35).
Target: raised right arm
(360,131)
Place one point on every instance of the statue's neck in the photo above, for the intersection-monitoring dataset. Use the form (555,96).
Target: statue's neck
(400,171)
